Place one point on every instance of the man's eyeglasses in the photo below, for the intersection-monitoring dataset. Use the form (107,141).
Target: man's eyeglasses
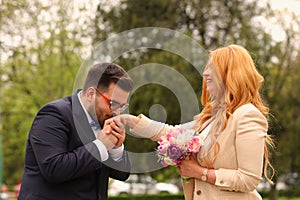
(112,104)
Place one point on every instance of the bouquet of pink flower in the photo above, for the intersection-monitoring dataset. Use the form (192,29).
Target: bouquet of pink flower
(177,144)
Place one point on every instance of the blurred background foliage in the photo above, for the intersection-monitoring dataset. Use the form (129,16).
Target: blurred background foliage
(43,44)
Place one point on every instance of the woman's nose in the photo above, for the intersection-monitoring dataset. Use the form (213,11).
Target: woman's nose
(205,73)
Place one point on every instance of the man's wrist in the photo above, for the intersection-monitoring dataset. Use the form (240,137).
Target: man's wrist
(116,153)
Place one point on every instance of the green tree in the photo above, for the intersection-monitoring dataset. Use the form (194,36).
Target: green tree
(278,63)
(34,74)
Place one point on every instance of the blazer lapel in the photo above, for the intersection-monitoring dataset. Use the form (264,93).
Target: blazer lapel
(82,125)
(204,125)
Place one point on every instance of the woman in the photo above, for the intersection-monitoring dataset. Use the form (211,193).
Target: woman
(233,122)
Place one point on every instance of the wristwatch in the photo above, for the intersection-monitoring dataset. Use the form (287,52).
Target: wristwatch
(204,173)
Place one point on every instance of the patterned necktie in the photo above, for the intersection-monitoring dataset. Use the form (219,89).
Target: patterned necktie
(95,126)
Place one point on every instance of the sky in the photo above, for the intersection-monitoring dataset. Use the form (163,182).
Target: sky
(292,5)
(273,26)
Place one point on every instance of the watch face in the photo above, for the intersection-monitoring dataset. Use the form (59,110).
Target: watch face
(204,173)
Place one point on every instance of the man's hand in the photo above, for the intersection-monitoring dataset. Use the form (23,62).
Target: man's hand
(118,130)
(106,137)
(112,134)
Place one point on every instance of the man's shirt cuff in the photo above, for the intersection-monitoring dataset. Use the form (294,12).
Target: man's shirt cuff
(102,150)
(117,153)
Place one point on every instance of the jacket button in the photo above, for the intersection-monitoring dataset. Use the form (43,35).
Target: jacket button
(198,192)
(221,182)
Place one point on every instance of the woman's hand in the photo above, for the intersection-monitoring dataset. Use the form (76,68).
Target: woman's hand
(140,125)
(126,120)
(189,167)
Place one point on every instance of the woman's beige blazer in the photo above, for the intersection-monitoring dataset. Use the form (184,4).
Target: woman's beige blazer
(238,164)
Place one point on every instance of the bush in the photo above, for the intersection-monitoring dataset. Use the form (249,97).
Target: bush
(295,192)
(149,197)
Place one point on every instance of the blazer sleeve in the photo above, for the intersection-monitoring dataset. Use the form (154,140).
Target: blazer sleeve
(251,130)
(49,137)
(148,128)
(119,170)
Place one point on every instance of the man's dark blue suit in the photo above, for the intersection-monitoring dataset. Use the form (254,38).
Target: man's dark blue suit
(62,162)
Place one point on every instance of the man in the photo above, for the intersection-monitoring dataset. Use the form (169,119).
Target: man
(66,158)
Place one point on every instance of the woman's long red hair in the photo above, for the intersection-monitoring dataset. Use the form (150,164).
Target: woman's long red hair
(238,83)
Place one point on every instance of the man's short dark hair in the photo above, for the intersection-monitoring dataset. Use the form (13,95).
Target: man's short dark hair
(101,75)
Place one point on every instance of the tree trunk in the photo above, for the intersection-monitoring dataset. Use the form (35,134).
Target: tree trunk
(273,193)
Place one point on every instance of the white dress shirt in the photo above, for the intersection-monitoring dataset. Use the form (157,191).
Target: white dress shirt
(115,153)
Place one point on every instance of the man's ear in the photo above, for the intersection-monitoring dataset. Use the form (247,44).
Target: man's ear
(90,93)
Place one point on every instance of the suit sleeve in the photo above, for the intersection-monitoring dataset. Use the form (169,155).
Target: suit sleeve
(251,130)
(120,170)
(49,137)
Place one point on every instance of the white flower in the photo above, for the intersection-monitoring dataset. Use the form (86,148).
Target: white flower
(168,161)
(186,136)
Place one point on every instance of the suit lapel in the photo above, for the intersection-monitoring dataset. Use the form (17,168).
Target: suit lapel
(82,125)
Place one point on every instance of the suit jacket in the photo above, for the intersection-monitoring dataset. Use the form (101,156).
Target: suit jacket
(239,163)
(61,161)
